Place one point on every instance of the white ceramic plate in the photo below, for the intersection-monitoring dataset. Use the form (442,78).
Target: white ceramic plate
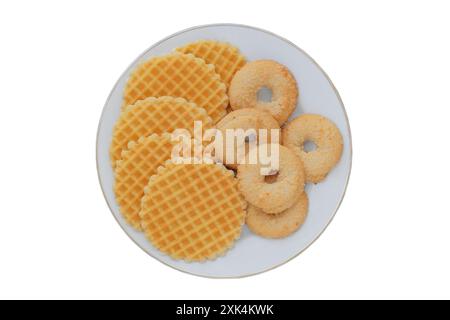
(251,254)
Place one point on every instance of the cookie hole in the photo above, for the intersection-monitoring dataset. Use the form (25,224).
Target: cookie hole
(308,187)
(271,179)
(309,146)
(264,94)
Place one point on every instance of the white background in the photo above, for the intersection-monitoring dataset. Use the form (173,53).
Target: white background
(390,61)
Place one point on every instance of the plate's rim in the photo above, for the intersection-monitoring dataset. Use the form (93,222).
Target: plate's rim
(295,47)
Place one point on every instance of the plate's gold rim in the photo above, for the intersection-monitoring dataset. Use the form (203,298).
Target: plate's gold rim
(297,48)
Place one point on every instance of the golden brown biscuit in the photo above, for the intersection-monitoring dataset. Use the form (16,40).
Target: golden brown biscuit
(257,74)
(278,225)
(193,211)
(225,57)
(178,75)
(324,134)
(155,115)
(132,172)
(245,119)
(273,195)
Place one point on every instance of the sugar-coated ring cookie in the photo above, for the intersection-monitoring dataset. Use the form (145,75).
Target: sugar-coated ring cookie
(278,225)
(257,74)
(274,196)
(247,118)
(324,134)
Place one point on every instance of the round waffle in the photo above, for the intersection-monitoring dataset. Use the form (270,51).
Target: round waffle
(192,211)
(138,163)
(179,75)
(225,57)
(155,115)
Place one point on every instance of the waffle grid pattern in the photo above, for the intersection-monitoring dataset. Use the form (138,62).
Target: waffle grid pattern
(226,57)
(193,212)
(155,115)
(138,163)
(179,75)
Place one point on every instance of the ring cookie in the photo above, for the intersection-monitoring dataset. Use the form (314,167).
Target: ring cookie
(255,75)
(324,134)
(193,211)
(178,75)
(278,225)
(273,196)
(245,119)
